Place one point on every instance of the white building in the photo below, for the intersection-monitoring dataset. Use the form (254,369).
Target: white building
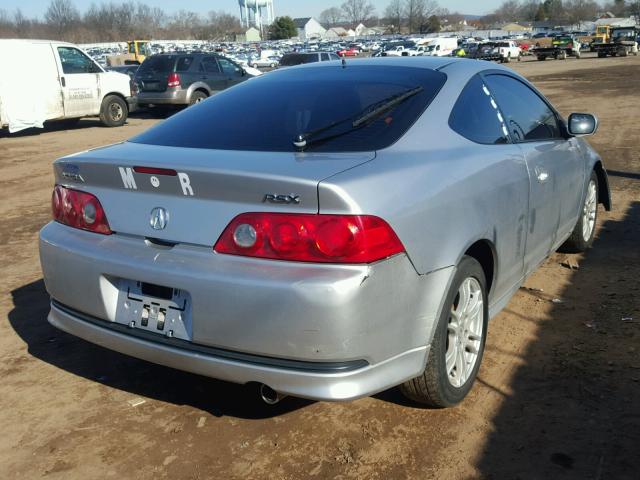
(309,28)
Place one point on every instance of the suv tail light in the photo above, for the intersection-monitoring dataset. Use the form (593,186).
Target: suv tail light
(133,86)
(79,210)
(173,80)
(310,238)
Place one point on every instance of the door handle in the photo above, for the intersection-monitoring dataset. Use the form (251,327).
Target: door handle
(63,81)
(541,174)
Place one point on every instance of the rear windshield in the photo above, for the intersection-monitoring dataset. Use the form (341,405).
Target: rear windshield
(326,104)
(292,59)
(158,63)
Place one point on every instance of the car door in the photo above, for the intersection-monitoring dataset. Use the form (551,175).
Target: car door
(79,81)
(553,161)
(232,72)
(501,175)
(212,75)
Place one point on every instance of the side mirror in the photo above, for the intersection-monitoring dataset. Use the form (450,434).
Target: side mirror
(582,124)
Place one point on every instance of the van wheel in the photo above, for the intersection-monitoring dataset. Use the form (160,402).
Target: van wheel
(114,111)
(458,343)
(197,97)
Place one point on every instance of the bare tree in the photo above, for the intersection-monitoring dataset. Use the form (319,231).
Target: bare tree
(417,12)
(62,16)
(331,16)
(110,21)
(577,11)
(393,12)
(358,11)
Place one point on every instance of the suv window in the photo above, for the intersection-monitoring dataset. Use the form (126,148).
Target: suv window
(229,68)
(269,112)
(475,115)
(325,57)
(74,61)
(527,116)
(184,64)
(291,59)
(158,63)
(333,56)
(210,65)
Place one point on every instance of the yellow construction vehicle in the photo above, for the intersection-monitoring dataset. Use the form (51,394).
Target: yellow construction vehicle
(602,35)
(137,51)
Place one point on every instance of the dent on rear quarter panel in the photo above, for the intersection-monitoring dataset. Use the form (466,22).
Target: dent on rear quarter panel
(440,192)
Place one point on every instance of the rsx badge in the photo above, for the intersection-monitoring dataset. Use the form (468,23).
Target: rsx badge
(276,198)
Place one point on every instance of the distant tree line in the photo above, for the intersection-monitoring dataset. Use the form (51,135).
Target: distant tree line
(561,12)
(110,22)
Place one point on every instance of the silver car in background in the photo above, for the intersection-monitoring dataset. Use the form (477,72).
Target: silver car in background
(327,231)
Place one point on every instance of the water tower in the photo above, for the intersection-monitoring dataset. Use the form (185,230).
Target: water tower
(256,13)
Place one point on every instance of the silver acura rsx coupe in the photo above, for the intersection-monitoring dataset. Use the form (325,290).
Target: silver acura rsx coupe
(326,231)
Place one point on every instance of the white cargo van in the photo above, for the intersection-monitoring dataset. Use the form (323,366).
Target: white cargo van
(441,47)
(45,80)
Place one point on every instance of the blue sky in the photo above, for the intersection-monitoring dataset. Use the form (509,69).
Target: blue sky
(294,8)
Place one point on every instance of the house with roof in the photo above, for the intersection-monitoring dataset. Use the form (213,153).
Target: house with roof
(309,28)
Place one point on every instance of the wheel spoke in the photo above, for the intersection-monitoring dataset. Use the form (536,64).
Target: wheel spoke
(450,356)
(460,366)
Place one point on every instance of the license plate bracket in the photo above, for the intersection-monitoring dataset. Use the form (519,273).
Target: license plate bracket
(159,309)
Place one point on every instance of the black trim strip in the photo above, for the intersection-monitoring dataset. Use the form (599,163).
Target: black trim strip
(260,360)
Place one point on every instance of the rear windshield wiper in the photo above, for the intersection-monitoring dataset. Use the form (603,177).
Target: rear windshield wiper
(357,121)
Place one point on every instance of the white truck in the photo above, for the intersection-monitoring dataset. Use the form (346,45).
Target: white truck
(439,47)
(508,50)
(45,80)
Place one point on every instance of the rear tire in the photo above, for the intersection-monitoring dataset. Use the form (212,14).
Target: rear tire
(458,343)
(114,111)
(197,97)
(585,230)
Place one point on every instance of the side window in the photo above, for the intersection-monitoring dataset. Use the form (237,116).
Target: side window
(333,56)
(475,115)
(325,57)
(184,63)
(74,61)
(528,117)
(210,65)
(229,68)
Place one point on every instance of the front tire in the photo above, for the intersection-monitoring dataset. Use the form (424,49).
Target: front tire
(114,111)
(585,230)
(458,343)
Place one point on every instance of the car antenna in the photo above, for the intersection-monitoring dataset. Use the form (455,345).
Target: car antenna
(344,63)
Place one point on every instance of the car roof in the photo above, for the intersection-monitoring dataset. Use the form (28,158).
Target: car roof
(463,66)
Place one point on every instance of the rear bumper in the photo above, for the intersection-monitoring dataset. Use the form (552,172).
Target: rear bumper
(383,314)
(176,96)
(336,382)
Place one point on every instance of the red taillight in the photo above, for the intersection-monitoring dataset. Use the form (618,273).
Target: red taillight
(173,80)
(79,210)
(310,238)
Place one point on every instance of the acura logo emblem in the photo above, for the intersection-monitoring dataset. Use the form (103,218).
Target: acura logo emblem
(159,218)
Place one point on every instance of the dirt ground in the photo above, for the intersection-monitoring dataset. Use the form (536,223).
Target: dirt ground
(558,395)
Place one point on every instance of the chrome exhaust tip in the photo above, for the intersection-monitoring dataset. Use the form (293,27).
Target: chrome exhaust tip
(269,395)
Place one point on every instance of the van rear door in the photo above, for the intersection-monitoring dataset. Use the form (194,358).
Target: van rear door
(79,80)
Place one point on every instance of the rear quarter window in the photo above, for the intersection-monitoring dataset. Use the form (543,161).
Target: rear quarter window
(184,64)
(476,117)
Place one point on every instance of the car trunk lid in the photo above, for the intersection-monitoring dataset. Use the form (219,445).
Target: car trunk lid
(200,190)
